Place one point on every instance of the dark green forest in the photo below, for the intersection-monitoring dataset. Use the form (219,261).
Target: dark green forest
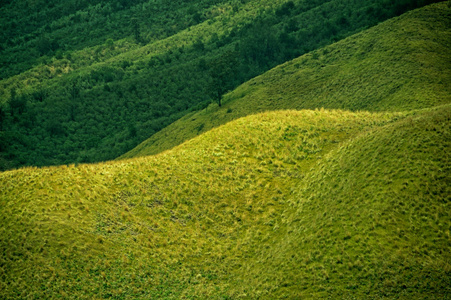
(87,80)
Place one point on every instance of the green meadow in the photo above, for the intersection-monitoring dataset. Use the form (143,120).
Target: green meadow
(327,177)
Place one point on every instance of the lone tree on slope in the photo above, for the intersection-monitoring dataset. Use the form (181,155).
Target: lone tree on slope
(222,73)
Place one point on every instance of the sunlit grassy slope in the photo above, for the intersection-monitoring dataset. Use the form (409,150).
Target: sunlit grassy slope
(310,203)
(401,64)
(292,203)
(370,220)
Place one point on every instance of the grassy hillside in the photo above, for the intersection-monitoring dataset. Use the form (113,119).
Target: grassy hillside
(350,200)
(398,65)
(86,81)
(279,204)
(177,224)
(370,220)
(33,33)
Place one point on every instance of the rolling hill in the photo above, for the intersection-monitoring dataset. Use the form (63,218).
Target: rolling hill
(86,81)
(370,220)
(276,205)
(182,223)
(259,199)
(401,64)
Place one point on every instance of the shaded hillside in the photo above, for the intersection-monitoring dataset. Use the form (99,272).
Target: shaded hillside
(401,64)
(180,224)
(86,81)
(34,32)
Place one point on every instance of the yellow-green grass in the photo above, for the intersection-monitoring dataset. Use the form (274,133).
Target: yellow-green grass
(316,203)
(371,220)
(192,222)
(401,64)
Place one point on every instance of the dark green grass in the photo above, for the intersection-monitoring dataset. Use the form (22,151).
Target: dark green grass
(85,81)
(401,64)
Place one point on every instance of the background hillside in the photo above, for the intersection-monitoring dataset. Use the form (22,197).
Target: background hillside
(306,203)
(85,81)
(401,64)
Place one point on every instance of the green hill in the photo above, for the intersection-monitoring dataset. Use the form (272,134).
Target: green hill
(370,220)
(290,204)
(87,81)
(177,224)
(257,201)
(401,64)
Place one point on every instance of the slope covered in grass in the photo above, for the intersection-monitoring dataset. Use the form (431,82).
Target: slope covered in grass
(318,203)
(185,223)
(398,65)
(87,80)
(372,219)
(297,204)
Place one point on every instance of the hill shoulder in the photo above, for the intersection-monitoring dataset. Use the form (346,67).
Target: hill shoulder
(370,219)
